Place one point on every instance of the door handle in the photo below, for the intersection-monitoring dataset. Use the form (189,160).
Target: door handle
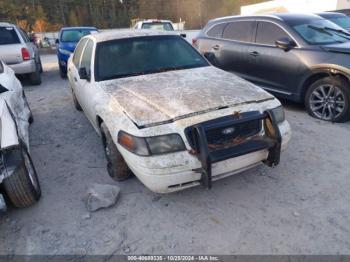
(216,47)
(255,53)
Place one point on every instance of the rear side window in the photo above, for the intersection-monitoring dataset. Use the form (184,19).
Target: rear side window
(8,36)
(86,58)
(216,31)
(24,36)
(78,51)
(268,33)
(239,31)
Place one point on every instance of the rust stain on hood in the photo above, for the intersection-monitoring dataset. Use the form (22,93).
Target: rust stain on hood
(155,99)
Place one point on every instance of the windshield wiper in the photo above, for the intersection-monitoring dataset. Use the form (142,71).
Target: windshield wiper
(339,31)
(320,29)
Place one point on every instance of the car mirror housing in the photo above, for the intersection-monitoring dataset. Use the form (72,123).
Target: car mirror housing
(83,74)
(183,35)
(285,43)
(210,57)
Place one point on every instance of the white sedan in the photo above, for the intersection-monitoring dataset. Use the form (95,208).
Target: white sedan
(169,117)
(17,172)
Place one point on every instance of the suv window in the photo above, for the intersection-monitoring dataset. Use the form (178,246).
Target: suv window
(216,31)
(24,35)
(239,31)
(86,58)
(8,36)
(268,33)
(78,51)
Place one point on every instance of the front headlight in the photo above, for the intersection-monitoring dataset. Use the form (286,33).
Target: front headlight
(278,112)
(64,51)
(147,146)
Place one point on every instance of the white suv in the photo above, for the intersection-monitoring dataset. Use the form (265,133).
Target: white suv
(19,53)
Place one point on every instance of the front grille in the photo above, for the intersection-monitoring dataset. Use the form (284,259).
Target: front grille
(229,130)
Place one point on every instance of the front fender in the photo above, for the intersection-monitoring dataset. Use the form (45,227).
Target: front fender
(8,129)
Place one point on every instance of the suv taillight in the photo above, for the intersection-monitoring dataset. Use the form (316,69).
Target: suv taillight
(25,54)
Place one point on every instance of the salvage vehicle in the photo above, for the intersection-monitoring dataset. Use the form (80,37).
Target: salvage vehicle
(338,18)
(18,177)
(300,57)
(19,53)
(169,117)
(67,41)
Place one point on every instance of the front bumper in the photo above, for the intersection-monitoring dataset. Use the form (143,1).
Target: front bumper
(25,67)
(177,171)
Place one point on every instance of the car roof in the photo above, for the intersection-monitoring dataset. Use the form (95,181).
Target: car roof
(287,17)
(126,33)
(331,14)
(154,21)
(78,28)
(6,24)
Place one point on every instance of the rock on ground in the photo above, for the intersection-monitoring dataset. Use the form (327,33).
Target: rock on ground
(101,196)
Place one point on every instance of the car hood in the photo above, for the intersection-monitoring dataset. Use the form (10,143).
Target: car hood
(338,48)
(155,99)
(70,46)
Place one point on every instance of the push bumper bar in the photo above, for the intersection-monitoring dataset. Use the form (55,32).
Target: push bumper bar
(271,140)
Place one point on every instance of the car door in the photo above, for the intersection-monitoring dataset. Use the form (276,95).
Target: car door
(73,73)
(85,89)
(232,51)
(273,68)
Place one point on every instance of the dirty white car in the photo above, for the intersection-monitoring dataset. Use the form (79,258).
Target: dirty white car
(17,172)
(169,117)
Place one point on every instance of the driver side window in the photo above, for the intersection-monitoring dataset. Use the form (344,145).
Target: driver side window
(78,51)
(86,58)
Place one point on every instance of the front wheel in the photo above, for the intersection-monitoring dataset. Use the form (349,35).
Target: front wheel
(116,166)
(22,187)
(329,99)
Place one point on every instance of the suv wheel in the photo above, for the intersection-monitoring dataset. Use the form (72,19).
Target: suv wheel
(116,166)
(329,99)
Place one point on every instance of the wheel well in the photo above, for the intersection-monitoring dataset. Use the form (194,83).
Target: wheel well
(99,121)
(318,76)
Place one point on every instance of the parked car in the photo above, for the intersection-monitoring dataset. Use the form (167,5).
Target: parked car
(67,41)
(338,18)
(18,176)
(19,53)
(300,57)
(155,24)
(169,117)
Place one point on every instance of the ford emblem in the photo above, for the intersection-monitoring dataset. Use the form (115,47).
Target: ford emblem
(228,131)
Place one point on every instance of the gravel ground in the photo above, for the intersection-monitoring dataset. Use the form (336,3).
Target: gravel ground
(300,207)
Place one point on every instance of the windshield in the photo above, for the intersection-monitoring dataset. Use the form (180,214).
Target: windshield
(74,35)
(8,36)
(158,26)
(342,21)
(144,55)
(317,32)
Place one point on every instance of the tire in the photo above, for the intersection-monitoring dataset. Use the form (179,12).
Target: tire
(22,187)
(63,74)
(329,99)
(35,77)
(116,166)
(41,70)
(76,103)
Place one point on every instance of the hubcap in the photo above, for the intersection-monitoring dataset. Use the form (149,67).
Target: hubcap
(327,102)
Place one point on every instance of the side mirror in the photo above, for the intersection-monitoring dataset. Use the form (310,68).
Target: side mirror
(210,57)
(83,74)
(183,35)
(285,43)
(57,41)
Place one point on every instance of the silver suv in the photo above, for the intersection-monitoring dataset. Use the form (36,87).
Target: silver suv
(19,53)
